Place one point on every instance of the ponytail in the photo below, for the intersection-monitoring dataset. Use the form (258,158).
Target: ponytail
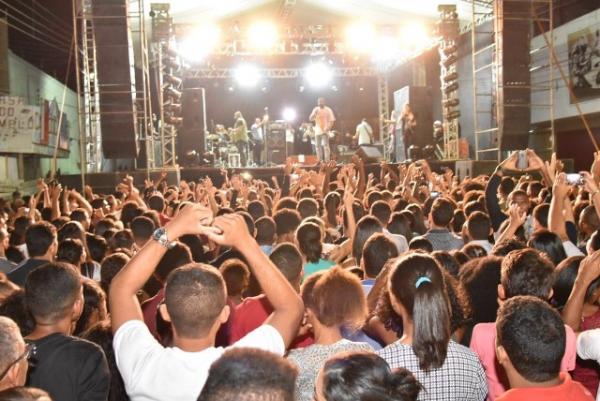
(431,326)
(418,284)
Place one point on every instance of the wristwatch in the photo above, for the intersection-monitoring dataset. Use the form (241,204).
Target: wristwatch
(160,235)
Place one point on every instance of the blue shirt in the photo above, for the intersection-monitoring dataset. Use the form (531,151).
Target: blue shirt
(322,264)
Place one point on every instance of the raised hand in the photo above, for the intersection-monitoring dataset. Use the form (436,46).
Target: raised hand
(191,219)
(589,184)
(231,231)
(560,189)
(516,216)
(589,269)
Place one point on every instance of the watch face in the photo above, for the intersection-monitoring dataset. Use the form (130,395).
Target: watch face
(159,234)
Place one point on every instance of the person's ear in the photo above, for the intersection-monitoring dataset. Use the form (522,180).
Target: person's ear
(501,293)
(17,374)
(551,293)
(224,315)
(502,355)
(164,313)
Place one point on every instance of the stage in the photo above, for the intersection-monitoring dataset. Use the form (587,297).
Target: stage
(106,182)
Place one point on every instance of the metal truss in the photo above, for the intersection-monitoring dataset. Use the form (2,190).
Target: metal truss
(383,108)
(279,73)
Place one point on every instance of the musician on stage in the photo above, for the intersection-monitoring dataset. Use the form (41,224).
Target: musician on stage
(240,137)
(257,134)
(409,126)
(323,118)
(364,133)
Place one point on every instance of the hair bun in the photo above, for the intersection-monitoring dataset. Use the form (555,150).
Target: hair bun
(404,385)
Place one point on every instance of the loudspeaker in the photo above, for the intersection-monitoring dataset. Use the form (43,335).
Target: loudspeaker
(513,56)
(276,152)
(420,100)
(116,78)
(369,153)
(474,168)
(191,134)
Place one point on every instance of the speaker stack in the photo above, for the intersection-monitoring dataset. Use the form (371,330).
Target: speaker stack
(116,78)
(513,27)
(276,152)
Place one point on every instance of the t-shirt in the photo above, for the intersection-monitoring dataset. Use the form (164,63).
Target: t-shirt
(253,312)
(483,342)
(588,347)
(153,372)
(311,359)
(568,390)
(364,132)
(324,118)
(322,264)
(69,369)
(19,274)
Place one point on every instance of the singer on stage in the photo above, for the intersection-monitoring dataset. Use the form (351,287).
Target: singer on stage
(323,118)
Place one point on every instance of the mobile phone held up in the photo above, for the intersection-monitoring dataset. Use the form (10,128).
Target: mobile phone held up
(522,162)
(574,179)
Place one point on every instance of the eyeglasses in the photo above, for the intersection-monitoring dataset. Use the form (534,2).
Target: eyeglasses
(29,354)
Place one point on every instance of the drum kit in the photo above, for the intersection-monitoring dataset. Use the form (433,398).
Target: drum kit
(221,146)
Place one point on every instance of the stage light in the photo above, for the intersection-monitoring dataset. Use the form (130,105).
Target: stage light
(262,35)
(289,114)
(247,75)
(200,42)
(318,75)
(360,37)
(414,37)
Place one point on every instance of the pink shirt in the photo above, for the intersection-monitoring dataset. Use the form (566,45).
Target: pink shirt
(483,342)
(324,118)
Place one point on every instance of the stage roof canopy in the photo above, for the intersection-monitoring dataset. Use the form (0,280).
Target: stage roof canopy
(312,11)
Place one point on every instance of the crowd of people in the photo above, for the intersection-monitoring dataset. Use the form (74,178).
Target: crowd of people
(347,283)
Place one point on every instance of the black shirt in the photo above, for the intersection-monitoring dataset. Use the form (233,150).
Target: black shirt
(19,274)
(69,369)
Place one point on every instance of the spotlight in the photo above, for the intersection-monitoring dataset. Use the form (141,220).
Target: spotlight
(262,35)
(200,42)
(360,37)
(230,89)
(318,75)
(172,92)
(172,79)
(385,48)
(289,114)
(415,35)
(247,75)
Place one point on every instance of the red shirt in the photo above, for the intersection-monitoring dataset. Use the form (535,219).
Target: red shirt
(150,309)
(251,314)
(568,390)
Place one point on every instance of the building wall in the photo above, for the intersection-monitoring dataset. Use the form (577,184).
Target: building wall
(35,86)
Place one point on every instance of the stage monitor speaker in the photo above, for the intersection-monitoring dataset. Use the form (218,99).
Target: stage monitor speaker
(420,100)
(190,136)
(514,24)
(369,153)
(116,78)
(276,152)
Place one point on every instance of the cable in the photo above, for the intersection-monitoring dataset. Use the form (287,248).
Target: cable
(57,25)
(12,21)
(35,37)
(49,33)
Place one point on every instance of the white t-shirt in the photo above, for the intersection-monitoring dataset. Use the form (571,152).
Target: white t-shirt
(364,132)
(153,372)
(588,347)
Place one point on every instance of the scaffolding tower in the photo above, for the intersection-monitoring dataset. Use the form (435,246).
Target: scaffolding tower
(88,87)
(165,64)
(486,70)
